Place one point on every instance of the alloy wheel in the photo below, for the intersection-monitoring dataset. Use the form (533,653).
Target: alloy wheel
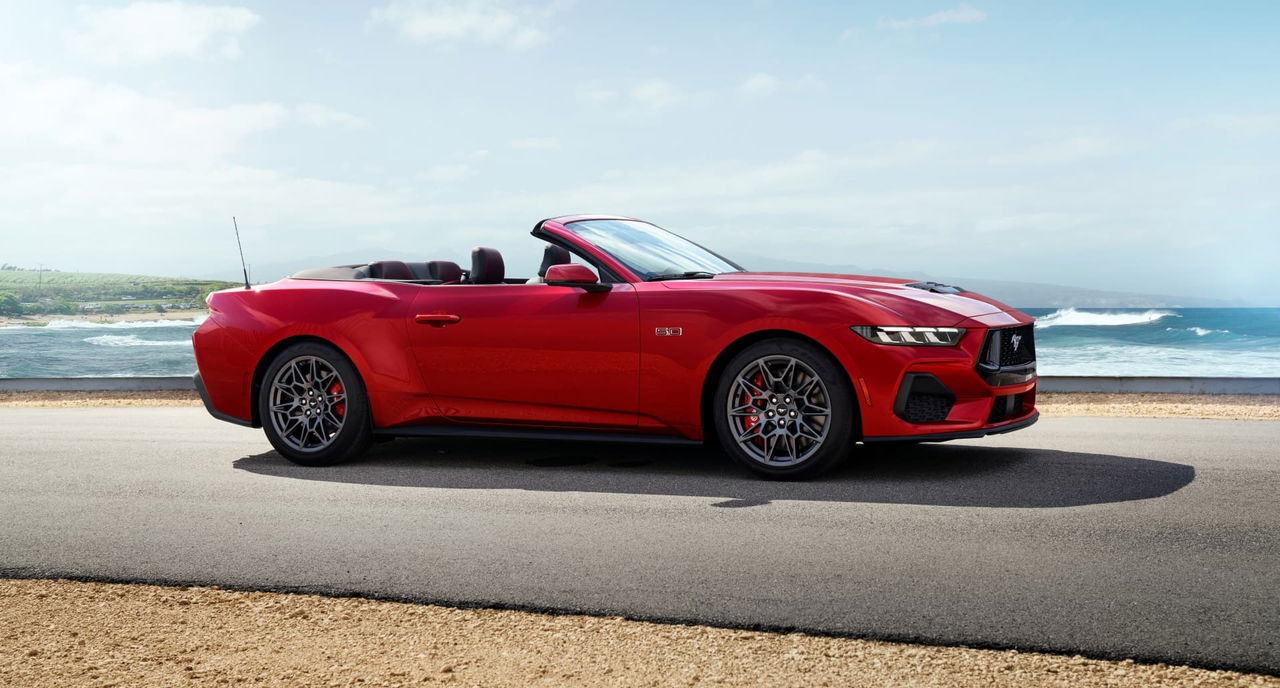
(308,403)
(779,411)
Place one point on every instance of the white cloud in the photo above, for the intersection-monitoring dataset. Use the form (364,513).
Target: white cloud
(148,31)
(537,143)
(325,116)
(964,14)
(759,85)
(447,173)
(451,22)
(83,120)
(1250,125)
(1073,149)
(596,93)
(655,94)
(762,85)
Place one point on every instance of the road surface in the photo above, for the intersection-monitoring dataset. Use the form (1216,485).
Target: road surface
(1152,539)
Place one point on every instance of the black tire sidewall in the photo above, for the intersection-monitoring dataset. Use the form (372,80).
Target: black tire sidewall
(356,433)
(840,435)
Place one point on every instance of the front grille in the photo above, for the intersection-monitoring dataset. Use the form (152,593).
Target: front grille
(1011,346)
(1008,356)
(1006,406)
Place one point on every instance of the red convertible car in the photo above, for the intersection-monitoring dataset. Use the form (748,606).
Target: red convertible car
(626,332)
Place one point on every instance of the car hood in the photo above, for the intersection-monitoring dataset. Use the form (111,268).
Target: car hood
(913,305)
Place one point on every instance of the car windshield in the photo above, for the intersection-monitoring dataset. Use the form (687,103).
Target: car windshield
(649,251)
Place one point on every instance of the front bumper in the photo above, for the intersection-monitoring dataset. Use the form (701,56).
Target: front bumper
(934,394)
(962,434)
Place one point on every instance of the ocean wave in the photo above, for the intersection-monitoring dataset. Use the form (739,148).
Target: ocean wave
(121,325)
(1122,359)
(1200,331)
(131,340)
(1070,317)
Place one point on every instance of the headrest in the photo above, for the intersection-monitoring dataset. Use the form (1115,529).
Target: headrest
(553,255)
(390,269)
(486,266)
(446,271)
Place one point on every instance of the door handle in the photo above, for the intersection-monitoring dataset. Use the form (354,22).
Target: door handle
(437,319)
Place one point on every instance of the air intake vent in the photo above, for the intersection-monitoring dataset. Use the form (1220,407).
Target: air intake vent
(936,287)
(923,399)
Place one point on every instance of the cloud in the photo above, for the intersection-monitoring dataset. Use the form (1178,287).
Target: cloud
(1073,149)
(451,22)
(537,143)
(82,120)
(596,93)
(149,31)
(447,173)
(762,85)
(759,85)
(1245,126)
(325,116)
(655,94)
(964,14)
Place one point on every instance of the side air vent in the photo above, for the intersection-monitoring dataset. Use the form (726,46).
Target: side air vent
(936,287)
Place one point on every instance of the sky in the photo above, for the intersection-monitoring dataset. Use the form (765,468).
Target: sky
(1128,146)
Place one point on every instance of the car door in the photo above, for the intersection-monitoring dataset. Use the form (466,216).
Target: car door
(529,354)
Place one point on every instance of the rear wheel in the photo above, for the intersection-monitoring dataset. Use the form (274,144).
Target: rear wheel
(313,406)
(783,409)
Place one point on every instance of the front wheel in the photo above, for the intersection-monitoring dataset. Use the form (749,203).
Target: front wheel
(313,406)
(784,410)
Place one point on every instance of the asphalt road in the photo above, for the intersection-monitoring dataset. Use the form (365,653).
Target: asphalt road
(1152,539)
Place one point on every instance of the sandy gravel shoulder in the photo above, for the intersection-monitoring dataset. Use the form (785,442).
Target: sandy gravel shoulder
(1219,406)
(63,633)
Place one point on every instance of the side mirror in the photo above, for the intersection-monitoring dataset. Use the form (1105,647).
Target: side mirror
(573,275)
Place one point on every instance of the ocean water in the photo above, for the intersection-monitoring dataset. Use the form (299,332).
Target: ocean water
(1200,342)
(1215,342)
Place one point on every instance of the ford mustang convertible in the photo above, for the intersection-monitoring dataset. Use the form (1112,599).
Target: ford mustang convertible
(625,332)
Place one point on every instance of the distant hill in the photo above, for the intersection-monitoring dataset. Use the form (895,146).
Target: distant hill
(1018,294)
(34,285)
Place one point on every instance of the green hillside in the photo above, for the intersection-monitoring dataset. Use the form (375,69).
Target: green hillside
(54,291)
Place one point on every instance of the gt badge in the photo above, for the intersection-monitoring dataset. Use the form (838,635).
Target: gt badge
(668,331)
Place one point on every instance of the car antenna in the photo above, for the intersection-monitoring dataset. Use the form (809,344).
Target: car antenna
(243,267)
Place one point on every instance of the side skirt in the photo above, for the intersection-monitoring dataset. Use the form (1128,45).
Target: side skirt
(533,434)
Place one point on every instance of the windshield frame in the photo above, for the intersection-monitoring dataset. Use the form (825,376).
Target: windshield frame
(637,272)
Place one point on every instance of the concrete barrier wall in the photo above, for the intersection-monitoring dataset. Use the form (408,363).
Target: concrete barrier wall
(93,384)
(1169,385)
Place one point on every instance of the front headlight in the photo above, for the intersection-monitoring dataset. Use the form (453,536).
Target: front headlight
(911,336)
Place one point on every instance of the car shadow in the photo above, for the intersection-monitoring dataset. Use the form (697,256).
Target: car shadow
(925,474)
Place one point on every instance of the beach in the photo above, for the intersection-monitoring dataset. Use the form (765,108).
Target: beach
(131,316)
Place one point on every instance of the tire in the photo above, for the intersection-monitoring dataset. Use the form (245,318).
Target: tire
(784,410)
(314,423)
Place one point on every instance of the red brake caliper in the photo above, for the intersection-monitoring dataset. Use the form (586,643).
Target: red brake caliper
(340,408)
(751,421)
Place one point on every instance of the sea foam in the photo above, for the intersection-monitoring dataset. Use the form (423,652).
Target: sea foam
(1070,317)
(131,340)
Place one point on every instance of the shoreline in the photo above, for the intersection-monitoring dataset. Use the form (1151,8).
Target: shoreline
(42,320)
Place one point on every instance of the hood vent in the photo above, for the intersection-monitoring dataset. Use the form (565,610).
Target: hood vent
(936,287)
